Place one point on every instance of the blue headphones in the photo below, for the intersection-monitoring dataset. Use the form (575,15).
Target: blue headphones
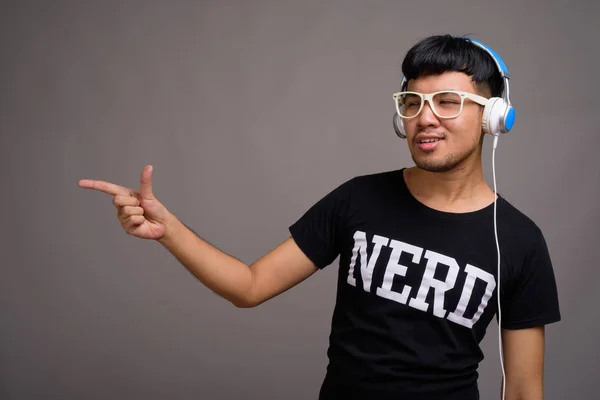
(498,114)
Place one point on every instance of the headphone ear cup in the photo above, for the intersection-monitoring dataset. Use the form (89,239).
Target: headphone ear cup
(493,116)
(399,126)
(498,116)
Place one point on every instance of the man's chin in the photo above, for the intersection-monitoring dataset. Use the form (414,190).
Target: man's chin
(435,166)
(440,162)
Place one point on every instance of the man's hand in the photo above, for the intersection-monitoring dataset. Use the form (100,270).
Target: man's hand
(139,213)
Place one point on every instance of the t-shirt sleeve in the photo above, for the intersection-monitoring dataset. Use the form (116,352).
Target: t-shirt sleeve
(318,232)
(534,299)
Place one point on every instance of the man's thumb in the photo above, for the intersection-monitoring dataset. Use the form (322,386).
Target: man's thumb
(146,183)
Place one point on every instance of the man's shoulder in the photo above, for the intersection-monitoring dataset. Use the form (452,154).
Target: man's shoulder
(517,223)
(517,215)
(382,177)
(377,184)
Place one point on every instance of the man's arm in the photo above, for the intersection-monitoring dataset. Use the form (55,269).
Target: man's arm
(242,285)
(142,215)
(524,363)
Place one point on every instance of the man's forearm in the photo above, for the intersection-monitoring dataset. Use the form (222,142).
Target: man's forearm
(220,272)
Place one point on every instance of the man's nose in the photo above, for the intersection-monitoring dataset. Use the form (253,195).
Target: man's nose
(427,117)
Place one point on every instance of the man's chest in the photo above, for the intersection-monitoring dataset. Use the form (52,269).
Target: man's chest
(444,272)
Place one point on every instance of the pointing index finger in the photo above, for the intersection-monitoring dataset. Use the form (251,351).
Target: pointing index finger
(106,187)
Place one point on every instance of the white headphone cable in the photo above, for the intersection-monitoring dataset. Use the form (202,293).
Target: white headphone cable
(498,284)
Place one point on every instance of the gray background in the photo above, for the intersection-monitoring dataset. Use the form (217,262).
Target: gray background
(250,111)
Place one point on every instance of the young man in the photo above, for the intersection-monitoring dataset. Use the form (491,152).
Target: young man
(417,281)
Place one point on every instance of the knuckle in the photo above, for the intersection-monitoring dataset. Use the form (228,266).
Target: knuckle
(121,201)
(126,223)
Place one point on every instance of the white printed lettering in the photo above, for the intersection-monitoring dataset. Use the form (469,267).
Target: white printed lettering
(440,287)
(395,268)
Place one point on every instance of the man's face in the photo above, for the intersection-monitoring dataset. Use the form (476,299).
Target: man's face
(459,137)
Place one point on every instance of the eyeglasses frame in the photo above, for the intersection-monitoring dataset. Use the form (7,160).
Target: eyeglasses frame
(429,97)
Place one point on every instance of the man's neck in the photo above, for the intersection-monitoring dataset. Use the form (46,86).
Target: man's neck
(460,190)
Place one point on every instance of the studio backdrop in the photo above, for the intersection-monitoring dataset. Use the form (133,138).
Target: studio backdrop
(251,111)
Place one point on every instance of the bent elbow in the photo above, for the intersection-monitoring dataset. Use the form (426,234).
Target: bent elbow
(243,304)
(247,302)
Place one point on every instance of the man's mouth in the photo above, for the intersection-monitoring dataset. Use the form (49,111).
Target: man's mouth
(428,144)
(429,140)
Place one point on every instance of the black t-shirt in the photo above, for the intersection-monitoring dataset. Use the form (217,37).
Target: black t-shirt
(417,288)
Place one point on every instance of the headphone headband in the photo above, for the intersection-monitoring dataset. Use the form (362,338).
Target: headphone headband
(502,68)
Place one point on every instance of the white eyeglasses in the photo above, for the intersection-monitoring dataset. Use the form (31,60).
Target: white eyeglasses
(444,104)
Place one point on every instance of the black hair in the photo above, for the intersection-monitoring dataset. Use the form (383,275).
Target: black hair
(437,54)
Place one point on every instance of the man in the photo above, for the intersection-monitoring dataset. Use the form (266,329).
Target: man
(418,281)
